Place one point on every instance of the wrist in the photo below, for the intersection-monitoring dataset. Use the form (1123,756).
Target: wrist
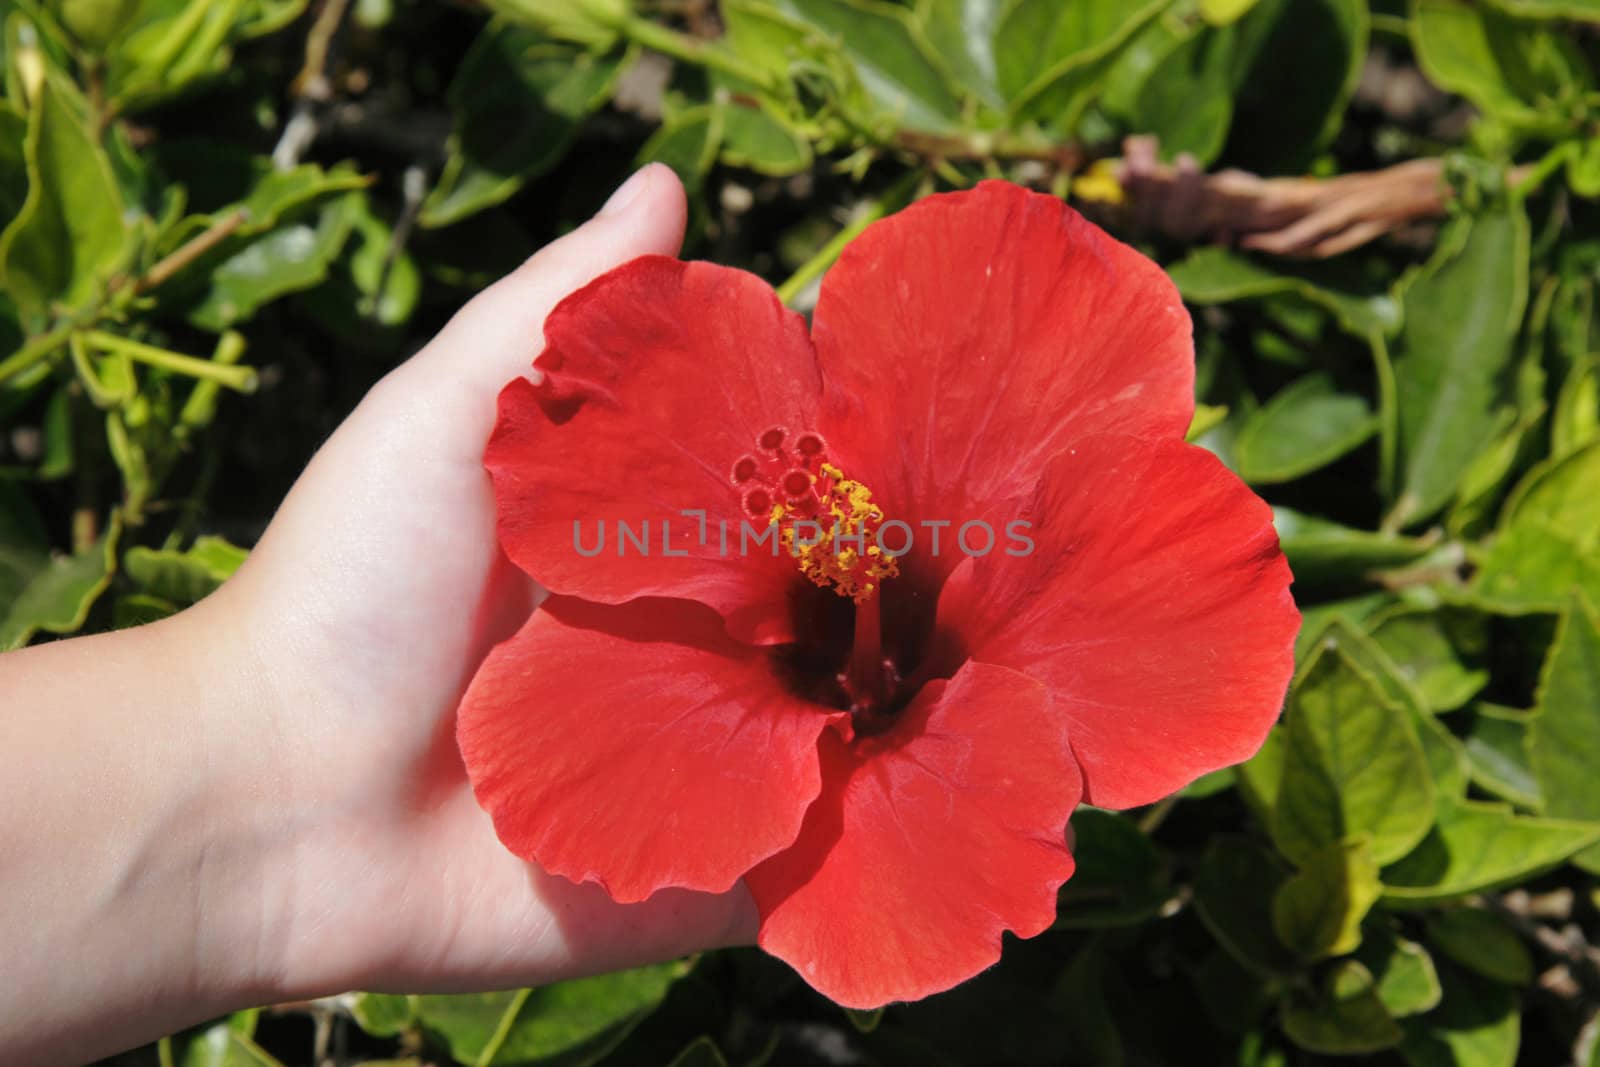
(135,850)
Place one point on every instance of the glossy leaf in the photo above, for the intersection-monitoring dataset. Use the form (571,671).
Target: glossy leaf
(517,101)
(1476,846)
(1298,62)
(40,590)
(1498,754)
(1119,878)
(1344,1018)
(184,577)
(1482,942)
(569,1023)
(69,234)
(1324,553)
(1048,55)
(1353,766)
(1318,912)
(1437,651)
(1564,732)
(1477,1024)
(1221,276)
(1507,67)
(1534,566)
(1234,887)
(290,258)
(1454,353)
(1304,427)
(1407,981)
(897,67)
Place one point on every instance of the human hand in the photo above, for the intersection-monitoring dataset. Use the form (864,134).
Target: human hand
(365,610)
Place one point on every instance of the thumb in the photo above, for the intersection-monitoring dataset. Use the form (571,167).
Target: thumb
(496,336)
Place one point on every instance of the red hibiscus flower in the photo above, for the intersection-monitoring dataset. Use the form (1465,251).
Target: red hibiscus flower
(1027,590)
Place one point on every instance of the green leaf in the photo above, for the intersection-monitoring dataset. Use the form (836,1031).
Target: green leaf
(1325,553)
(518,100)
(1218,276)
(1234,887)
(57,459)
(1447,763)
(1119,880)
(1222,12)
(688,143)
(591,23)
(1050,57)
(1408,984)
(184,577)
(1345,1018)
(1564,733)
(1476,1025)
(1301,429)
(1534,567)
(1207,417)
(1482,942)
(69,235)
(1353,765)
(1507,67)
(1562,493)
(1298,62)
(1186,100)
(1498,755)
(384,273)
(1261,776)
(571,1023)
(1454,354)
(1478,846)
(41,591)
(13,161)
(225,1044)
(1582,10)
(1436,651)
(383,1014)
(289,259)
(1318,912)
(755,138)
(1576,421)
(962,32)
(897,66)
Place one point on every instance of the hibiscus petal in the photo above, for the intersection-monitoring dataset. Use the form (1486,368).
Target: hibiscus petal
(638,747)
(926,844)
(966,339)
(1154,605)
(656,379)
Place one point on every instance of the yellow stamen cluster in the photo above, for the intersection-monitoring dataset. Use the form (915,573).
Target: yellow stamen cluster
(848,518)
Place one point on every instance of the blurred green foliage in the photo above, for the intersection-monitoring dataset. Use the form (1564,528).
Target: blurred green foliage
(237,214)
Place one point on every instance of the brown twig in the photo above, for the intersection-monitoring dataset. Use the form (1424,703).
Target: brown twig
(192,249)
(1305,217)
(311,87)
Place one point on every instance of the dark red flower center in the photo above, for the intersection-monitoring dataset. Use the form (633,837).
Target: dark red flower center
(829,525)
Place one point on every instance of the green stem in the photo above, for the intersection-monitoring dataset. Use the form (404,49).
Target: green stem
(1152,819)
(812,268)
(668,42)
(1525,183)
(242,379)
(33,350)
(201,406)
